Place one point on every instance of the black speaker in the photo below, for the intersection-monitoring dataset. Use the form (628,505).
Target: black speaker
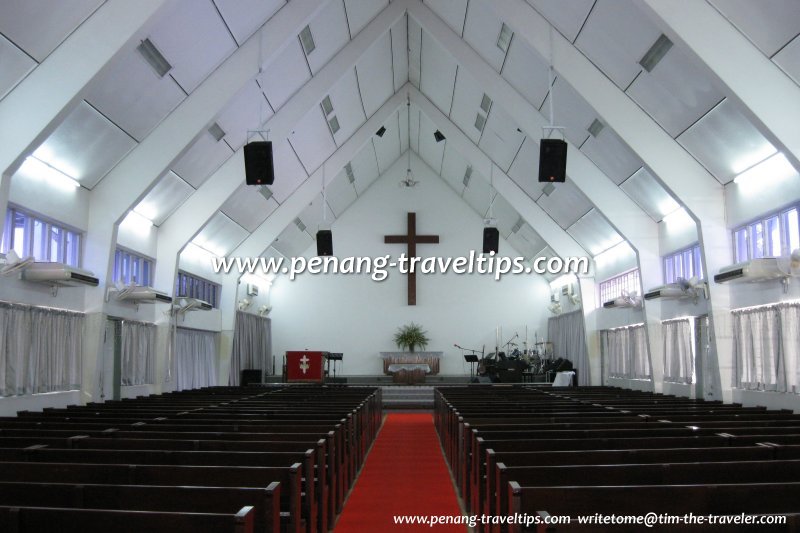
(552,160)
(491,240)
(258,168)
(324,242)
(250,376)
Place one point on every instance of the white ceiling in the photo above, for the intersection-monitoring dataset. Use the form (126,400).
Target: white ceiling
(127,100)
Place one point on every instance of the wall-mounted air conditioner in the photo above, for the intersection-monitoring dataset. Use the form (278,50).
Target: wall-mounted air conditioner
(682,289)
(142,295)
(763,269)
(626,300)
(193,304)
(58,274)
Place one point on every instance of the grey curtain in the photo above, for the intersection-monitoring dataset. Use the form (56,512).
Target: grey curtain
(252,344)
(40,349)
(678,350)
(196,356)
(568,335)
(766,347)
(137,353)
(626,351)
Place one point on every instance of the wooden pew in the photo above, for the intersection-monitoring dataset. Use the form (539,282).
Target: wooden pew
(59,520)
(218,500)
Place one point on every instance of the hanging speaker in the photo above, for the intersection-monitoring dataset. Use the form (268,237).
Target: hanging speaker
(324,242)
(258,168)
(552,160)
(491,240)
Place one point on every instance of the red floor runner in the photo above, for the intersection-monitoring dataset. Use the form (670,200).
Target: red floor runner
(405,474)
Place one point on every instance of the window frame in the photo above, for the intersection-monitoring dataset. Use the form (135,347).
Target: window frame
(189,285)
(611,288)
(134,258)
(750,242)
(48,228)
(688,259)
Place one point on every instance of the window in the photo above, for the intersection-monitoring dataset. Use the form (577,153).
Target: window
(612,288)
(45,240)
(132,269)
(774,235)
(686,263)
(190,286)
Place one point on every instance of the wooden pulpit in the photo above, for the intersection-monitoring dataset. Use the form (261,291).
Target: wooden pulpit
(304,367)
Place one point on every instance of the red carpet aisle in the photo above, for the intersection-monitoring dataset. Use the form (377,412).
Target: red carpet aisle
(405,474)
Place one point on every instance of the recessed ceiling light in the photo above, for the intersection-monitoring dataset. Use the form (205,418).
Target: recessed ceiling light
(334,124)
(486,103)
(265,192)
(518,225)
(299,224)
(348,169)
(596,127)
(327,105)
(548,189)
(216,131)
(480,122)
(467,176)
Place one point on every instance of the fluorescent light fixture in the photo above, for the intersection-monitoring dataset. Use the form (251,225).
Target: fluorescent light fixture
(656,53)
(518,225)
(299,224)
(548,189)
(486,103)
(147,210)
(154,58)
(265,192)
(38,169)
(678,219)
(348,170)
(613,253)
(668,205)
(307,40)
(480,122)
(467,176)
(216,131)
(772,170)
(334,124)
(596,127)
(136,223)
(504,39)
(327,106)
(750,159)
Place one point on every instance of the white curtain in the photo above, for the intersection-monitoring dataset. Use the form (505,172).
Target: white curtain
(252,345)
(766,347)
(568,335)
(626,351)
(40,349)
(137,353)
(196,356)
(678,350)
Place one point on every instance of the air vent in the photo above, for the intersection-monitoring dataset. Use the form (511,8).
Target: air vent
(486,103)
(216,132)
(334,124)
(548,189)
(467,176)
(348,169)
(307,40)
(327,106)
(299,224)
(154,57)
(504,39)
(656,53)
(596,127)
(480,122)
(265,192)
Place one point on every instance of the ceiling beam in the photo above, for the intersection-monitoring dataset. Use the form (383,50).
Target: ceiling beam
(770,97)
(678,171)
(130,180)
(38,104)
(189,218)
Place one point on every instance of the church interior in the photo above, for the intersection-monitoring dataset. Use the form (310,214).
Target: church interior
(209,208)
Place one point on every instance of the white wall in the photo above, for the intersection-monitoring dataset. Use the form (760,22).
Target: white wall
(358,316)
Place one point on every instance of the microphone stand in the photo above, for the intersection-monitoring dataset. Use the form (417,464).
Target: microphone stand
(472,358)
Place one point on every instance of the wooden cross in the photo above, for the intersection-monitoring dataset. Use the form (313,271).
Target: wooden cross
(411,239)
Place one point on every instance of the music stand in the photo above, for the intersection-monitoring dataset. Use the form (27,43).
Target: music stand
(471,359)
(334,357)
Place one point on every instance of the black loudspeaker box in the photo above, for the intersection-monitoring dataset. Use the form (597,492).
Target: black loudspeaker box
(249,376)
(552,160)
(491,240)
(324,242)
(258,167)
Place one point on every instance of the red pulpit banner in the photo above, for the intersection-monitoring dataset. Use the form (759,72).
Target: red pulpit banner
(304,367)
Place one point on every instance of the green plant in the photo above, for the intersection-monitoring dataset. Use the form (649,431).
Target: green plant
(411,336)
